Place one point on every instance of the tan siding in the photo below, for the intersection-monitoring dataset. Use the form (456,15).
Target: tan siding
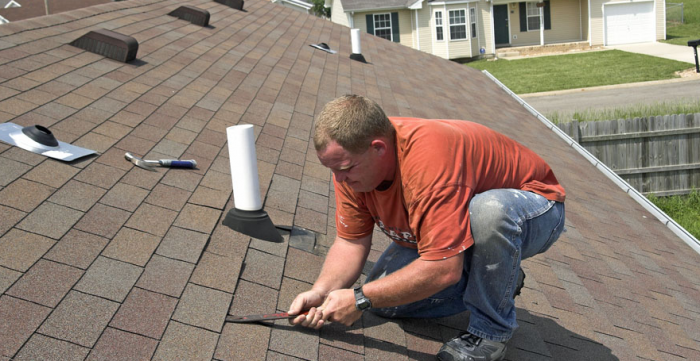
(338,16)
(660,20)
(458,48)
(485,26)
(565,25)
(405,28)
(584,20)
(425,32)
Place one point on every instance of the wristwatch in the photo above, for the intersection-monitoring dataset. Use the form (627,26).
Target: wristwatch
(362,303)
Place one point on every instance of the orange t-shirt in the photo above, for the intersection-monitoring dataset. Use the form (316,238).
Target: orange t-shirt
(442,164)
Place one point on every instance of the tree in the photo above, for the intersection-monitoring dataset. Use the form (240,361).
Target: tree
(320,9)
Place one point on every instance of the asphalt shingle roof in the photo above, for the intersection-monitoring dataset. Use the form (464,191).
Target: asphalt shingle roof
(357,5)
(103,260)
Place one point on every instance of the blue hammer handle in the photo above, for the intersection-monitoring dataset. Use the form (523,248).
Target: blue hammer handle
(178,163)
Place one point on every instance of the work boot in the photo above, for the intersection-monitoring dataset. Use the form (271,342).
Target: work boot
(469,347)
(521,282)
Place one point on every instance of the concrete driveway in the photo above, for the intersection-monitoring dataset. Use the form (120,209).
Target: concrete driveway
(662,50)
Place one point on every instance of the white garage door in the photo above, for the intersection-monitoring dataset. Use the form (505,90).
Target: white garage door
(629,23)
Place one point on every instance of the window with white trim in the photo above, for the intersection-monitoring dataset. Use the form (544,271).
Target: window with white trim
(472,19)
(438,26)
(382,26)
(458,24)
(533,16)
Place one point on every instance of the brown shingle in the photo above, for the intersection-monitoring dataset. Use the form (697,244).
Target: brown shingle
(209,197)
(19,250)
(125,197)
(145,313)
(42,348)
(77,248)
(46,283)
(294,341)
(79,318)
(11,170)
(116,345)
(166,276)
(263,268)
(9,217)
(100,175)
(183,179)
(243,342)
(68,195)
(18,320)
(183,245)
(198,218)
(25,195)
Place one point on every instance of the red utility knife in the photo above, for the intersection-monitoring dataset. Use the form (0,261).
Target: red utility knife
(260,317)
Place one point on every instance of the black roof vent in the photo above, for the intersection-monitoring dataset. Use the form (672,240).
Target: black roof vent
(236,4)
(109,44)
(194,15)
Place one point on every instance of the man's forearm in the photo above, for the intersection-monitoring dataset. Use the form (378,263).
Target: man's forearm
(416,281)
(343,264)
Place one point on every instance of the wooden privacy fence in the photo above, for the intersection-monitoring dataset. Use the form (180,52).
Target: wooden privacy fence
(655,155)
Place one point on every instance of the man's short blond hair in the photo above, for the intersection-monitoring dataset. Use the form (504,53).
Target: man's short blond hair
(352,121)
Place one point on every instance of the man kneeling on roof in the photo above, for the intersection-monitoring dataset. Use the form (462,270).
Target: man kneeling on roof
(463,205)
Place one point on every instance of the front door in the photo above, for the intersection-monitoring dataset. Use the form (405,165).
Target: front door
(500,24)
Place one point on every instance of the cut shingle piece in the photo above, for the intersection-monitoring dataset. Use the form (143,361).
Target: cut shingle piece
(217,272)
(9,217)
(145,313)
(116,345)
(263,268)
(203,307)
(184,342)
(110,279)
(132,246)
(152,219)
(166,276)
(182,244)
(66,195)
(198,218)
(103,220)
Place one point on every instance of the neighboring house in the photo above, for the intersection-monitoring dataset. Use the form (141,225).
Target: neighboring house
(299,5)
(468,28)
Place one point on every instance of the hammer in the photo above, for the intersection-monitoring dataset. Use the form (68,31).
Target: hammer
(148,164)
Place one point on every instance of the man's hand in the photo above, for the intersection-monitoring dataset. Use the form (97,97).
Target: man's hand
(308,300)
(340,307)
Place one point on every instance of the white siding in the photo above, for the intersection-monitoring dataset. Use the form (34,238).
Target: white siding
(597,23)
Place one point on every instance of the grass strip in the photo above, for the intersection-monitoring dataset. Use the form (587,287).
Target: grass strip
(685,210)
(683,106)
(549,73)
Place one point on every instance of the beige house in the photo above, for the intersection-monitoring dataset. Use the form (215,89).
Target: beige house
(455,29)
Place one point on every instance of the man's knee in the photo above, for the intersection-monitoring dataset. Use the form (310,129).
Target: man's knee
(488,214)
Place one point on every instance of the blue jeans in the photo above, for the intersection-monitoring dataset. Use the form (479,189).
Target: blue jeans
(508,226)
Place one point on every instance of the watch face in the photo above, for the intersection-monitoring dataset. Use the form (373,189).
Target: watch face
(363,304)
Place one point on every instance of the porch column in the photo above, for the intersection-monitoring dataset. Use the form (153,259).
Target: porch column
(541,25)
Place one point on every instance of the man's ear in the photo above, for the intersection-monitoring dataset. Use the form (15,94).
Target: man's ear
(380,146)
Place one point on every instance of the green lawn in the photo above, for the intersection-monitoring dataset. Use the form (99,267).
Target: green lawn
(541,74)
(685,210)
(690,30)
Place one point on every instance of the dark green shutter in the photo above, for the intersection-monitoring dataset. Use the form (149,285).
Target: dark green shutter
(547,16)
(370,23)
(395,27)
(523,17)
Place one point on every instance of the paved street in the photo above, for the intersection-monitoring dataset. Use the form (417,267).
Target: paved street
(569,101)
